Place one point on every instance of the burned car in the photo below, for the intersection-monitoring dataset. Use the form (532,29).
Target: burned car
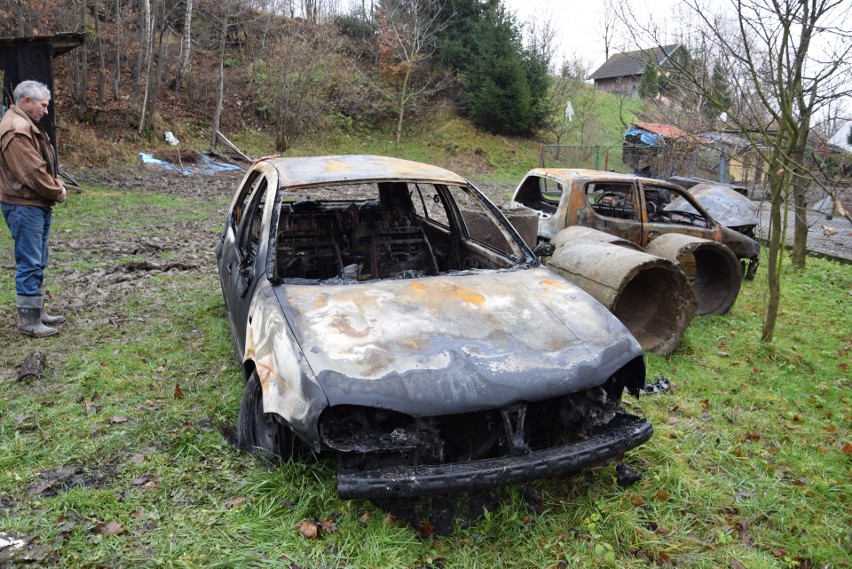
(631,207)
(727,206)
(385,309)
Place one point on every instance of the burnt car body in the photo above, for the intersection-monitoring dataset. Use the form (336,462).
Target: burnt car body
(385,310)
(631,207)
(727,206)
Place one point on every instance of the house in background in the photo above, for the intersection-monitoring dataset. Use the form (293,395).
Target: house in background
(842,136)
(621,73)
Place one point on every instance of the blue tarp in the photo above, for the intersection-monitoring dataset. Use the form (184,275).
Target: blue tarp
(646,137)
(206,166)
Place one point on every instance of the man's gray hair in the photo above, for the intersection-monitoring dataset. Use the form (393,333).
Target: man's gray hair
(32,89)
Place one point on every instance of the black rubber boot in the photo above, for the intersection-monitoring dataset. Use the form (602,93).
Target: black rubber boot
(29,317)
(45,317)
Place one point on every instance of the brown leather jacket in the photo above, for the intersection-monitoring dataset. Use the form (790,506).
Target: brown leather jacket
(28,167)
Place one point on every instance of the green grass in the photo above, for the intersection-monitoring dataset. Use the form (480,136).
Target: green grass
(749,462)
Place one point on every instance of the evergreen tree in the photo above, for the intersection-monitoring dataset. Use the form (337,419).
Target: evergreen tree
(718,98)
(649,83)
(502,85)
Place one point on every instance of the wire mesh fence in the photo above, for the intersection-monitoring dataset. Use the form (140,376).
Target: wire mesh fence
(737,164)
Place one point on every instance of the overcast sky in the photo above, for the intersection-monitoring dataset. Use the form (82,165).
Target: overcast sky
(580,24)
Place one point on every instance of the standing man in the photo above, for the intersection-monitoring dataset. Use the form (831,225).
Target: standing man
(29,187)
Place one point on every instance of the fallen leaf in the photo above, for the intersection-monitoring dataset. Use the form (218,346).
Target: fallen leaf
(328,526)
(388,519)
(738,451)
(178,391)
(736,564)
(780,553)
(234,502)
(705,404)
(308,530)
(662,496)
(847,448)
(752,437)
(113,528)
(742,528)
(364,518)
(831,428)
(843,367)
(140,480)
(118,419)
(821,450)
(426,529)
(637,500)
(137,458)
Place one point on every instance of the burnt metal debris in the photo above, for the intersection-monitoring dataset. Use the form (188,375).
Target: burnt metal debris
(386,310)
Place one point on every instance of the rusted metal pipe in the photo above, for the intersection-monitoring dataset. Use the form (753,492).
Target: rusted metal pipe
(648,294)
(710,267)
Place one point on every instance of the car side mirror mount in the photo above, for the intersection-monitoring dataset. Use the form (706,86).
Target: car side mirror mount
(544,249)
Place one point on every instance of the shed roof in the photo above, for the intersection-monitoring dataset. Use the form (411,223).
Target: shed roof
(665,130)
(631,63)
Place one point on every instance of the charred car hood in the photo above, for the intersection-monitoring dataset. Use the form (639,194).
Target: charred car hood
(455,343)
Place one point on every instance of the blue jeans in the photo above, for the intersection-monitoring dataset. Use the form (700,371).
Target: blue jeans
(30,228)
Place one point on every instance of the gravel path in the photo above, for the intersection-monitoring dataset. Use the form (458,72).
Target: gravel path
(830,237)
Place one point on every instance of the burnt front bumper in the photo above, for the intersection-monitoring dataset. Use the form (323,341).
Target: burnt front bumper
(426,480)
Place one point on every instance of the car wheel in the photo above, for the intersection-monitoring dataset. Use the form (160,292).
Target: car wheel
(259,433)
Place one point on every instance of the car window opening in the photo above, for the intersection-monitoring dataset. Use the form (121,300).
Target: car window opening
(382,230)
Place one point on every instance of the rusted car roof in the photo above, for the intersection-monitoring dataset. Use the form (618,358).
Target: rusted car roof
(305,171)
(581,173)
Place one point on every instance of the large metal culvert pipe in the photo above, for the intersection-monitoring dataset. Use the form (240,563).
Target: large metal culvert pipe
(581,232)
(710,267)
(648,294)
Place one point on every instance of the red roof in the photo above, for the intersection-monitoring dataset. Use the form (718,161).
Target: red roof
(664,130)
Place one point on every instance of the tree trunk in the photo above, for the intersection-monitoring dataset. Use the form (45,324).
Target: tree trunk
(185,45)
(19,9)
(145,114)
(101,55)
(116,79)
(220,91)
(776,249)
(144,24)
(800,187)
(160,61)
(82,86)
(402,101)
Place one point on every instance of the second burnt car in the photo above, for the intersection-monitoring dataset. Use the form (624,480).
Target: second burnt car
(385,309)
(631,207)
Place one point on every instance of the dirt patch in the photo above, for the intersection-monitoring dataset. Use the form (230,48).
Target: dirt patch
(54,482)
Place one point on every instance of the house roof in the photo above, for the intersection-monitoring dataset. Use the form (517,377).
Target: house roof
(631,63)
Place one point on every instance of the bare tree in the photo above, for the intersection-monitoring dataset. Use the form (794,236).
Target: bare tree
(101,56)
(185,45)
(81,67)
(116,79)
(156,65)
(144,39)
(787,61)
(408,30)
